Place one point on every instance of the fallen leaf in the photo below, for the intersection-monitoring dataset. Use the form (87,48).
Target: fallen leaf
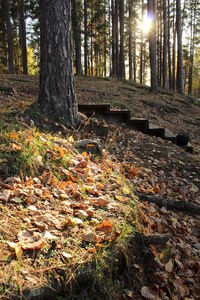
(18,251)
(169,266)
(106,226)
(66,255)
(147,293)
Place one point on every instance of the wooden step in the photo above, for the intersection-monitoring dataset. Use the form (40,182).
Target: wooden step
(138,124)
(116,116)
(188,148)
(90,109)
(169,136)
(155,131)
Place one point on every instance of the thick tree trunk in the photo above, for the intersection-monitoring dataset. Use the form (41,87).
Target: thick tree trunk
(152,46)
(85,37)
(121,54)
(56,91)
(165,45)
(117,36)
(180,74)
(22,34)
(130,48)
(9,37)
(77,38)
(169,49)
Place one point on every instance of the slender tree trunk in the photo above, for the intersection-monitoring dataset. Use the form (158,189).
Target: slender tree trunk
(180,74)
(56,90)
(130,40)
(169,49)
(85,37)
(77,38)
(105,46)
(9,37)
(121,54)
(113,39)
(165,45)
(117,36)
(192,46)
(134,47)
(161,47)
(141,46)
(152,45)
(22,34)
(174,49)
(91,42)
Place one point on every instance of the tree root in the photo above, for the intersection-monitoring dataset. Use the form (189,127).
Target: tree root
(183,206)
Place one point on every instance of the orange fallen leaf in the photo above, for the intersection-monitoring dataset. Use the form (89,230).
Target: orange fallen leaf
(92,250)
(106,226)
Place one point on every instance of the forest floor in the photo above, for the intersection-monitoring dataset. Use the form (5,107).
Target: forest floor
(73,214)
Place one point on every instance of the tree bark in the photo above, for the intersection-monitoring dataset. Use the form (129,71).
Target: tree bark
(77,38)
(192,47)
(180,74)
(22,34)
(174,50)
(152,46)
(169,49)
(85,37)
(9,37)
(165,45)
(141,46)
(121,54)
(56,90)
(117,36)
(113,39)
(130,40)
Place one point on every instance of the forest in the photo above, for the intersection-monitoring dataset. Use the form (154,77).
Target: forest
(110,38)
(100,149)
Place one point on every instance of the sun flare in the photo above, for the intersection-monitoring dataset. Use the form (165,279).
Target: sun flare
(147,23)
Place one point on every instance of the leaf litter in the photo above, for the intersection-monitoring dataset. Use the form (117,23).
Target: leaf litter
(57,206)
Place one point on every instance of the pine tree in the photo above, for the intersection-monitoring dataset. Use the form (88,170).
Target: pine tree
(56,91)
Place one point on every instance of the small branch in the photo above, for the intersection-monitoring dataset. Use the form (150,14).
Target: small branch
(151,239)
(183,206)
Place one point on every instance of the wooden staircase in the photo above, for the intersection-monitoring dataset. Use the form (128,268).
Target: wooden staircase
(119,117)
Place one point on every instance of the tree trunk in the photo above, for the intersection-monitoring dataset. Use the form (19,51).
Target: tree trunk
(121,54)
(130,40)
(9,37)
(85,37)
(117,36)
(22,35)
(169,49)
(77,38)
(152,45)
(174,51)
(56,90)
(141,46)
(165,45)
(113,39)
(180,74)
(192,46)
(104,38)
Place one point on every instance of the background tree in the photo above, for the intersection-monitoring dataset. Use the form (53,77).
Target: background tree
(152,45)
(76,37)
(56,90)
(22,35)
(9,36)
(180,75)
